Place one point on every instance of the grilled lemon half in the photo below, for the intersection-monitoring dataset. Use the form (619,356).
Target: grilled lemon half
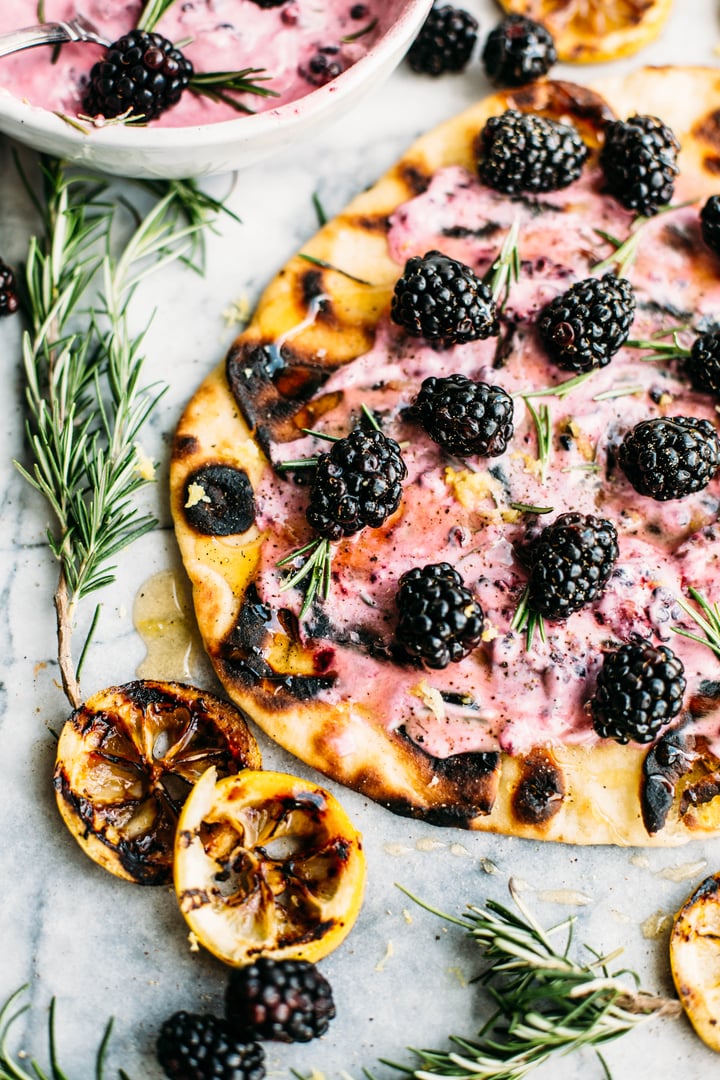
(695,959)
(589,31)
(267,864)
(126,760)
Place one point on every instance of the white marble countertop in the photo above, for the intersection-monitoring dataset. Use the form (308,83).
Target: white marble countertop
(104,948)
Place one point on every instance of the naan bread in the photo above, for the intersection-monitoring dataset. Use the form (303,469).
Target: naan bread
(324,311)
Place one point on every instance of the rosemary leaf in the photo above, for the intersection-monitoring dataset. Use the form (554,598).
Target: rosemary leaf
(547,1003)
(85,405)
(10,1067)
(707,618)
(152,13)
(222,85)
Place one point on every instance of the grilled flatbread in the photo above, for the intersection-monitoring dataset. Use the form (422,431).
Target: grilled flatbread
(501,740)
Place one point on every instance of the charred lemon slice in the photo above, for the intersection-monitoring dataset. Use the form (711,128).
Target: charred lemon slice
(588,31)
(266,863)
(695,959)
(126,761)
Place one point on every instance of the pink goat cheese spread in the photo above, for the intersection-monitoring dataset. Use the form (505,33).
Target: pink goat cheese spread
(221,35)
(504,694)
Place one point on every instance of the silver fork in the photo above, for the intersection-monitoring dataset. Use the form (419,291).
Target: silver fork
(58,33)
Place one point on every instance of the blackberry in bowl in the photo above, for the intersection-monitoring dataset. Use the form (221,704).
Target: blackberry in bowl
(197,138)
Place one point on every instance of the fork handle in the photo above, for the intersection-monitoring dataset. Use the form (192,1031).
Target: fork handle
(58,33)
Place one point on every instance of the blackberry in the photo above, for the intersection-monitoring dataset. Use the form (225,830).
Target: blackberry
(639,690)
(141,72)
(9,298)
(517,51)
(443,300)
(710,223)
(440,621)
(191,1046)
(445,41)
(639,160)
(570,564)
(323,66)
(357,484)
(670,457)
(703,363)
(584,328)
(521,152)
(464,417)
(283,1000)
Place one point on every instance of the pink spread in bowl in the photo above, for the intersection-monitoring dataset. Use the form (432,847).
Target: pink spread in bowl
(365,40)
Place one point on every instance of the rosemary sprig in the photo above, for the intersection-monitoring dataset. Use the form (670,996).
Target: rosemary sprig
(661,350)
(561,389)
(542,420)
(527,620)
(325,265)
(707,619)
(625,251)
(10,1067)
(82,369)
(349,38)
(506,267)
(316,568)
(222,85)
(152,13)
(547,1003)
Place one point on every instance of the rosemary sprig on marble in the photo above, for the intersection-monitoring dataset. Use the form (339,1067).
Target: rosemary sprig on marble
(10,1065)
(85,405)
(547,1003)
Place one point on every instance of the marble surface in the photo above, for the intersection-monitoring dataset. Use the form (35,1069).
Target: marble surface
(104,948)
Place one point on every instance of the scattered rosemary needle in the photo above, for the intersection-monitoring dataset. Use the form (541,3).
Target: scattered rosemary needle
(625,251)
(547,1004)
(10,1067)
(707,618)
(85,405)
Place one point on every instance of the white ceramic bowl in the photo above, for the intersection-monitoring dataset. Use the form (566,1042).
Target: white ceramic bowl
(215,148)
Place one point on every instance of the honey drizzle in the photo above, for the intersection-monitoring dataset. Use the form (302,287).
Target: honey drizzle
(163,617)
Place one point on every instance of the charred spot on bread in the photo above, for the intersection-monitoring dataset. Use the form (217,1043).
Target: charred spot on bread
(457,788)
(415,178)
(219,500)
(701,792)
(185,446)
(270,384)
(666,762)
(540,790)
(565,101)
(242,657)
